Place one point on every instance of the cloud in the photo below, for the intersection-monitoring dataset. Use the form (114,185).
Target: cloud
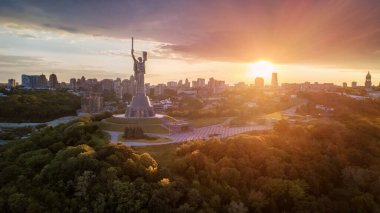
(308,31)
(8,61)
(13,66)
(60,27)
(162,51)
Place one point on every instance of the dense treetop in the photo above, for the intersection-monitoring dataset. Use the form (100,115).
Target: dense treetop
(73,168)
(37,106)
(322,167)
(330,164)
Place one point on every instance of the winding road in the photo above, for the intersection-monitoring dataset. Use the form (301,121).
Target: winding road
(50,123)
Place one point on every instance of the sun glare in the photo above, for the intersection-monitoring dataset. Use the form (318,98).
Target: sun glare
(261,69)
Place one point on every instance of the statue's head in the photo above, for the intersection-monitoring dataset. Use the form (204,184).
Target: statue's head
(140,59)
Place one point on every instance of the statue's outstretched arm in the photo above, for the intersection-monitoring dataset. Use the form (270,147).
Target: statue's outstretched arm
(133,55)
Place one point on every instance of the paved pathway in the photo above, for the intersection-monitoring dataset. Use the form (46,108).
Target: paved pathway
(221,130)
(292,110)
(198,133)
(50,123)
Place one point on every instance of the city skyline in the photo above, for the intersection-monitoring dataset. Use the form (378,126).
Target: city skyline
(331,43)
(193,82)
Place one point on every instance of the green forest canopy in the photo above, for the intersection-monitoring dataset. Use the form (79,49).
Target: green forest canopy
(37,106)
(330,165)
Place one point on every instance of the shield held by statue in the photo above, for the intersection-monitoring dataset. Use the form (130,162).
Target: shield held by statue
(145,56)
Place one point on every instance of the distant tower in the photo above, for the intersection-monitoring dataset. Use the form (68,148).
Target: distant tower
(354,84)
(73,84)
(274,80)
(187,83)
(53,81)
(11,83)
(368,82)
(42,81)
(91,102)
(259,83)
(344,85)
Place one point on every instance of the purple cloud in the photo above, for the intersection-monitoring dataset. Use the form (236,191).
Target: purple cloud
(308,31)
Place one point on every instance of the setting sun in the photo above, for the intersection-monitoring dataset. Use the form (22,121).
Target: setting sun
(261,69)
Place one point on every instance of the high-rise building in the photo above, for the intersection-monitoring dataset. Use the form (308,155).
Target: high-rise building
(83,80)
(354,84)
(159,89)
(92,81)
(34,81)
(25,81)
(274,82)
(11,83)
(125,84)
(201,82)
(216,86)
(92,84)
(220,85)
(147,88)
(172,84)
(81,84)
(107,84)
(194,84)
(344,85)
(64,85)
(187,83)
(259,83)
(91,102)
(211,82)
(73,84)
(368,82)
(241,85)
(129,86)
(118,89)
(53,81)
(42,81)
(180,84)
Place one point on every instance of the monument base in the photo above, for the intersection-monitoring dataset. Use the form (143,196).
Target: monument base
(156,124)
(140,107)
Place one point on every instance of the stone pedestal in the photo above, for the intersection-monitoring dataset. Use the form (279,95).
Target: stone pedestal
(140,107)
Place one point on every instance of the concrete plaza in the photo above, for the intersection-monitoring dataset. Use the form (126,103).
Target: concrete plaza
(220,131)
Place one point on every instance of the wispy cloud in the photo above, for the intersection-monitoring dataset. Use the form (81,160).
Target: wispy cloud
(7,61)
(284,31)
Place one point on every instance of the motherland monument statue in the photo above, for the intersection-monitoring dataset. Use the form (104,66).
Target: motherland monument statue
(140,106)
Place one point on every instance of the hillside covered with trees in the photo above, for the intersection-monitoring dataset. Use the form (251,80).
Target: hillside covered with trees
(324,167)
(72,168)
(37,106)
(327,165)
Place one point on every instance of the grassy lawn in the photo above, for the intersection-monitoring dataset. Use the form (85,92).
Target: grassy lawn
(164,154)
(261,119)
(275,115)
(153,140)
(202,122)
